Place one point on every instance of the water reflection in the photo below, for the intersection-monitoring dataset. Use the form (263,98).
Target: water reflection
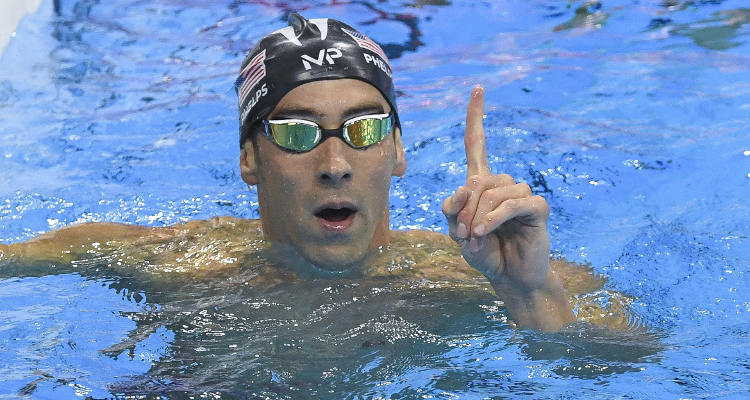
(718,32)
(150,68)
(344,336)
(378,12)
(256,330)
(587,16)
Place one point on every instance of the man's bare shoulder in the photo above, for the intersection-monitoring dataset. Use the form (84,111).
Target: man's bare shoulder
(440,248)
(200,247)
(435,255)
(427,255)
(92,231)
(416,235)
(75,241)
(217,225)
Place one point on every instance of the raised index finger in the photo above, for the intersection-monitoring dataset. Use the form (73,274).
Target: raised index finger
(474,139)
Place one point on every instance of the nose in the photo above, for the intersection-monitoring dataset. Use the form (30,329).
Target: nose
(334,168)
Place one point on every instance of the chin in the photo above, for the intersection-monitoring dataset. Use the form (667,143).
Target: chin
(336,258)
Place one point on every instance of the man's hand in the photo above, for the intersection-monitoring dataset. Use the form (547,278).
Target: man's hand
(502,230)
(500,226)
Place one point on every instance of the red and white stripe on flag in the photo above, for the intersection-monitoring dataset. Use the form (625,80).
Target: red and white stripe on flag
(365,42)
(253,72)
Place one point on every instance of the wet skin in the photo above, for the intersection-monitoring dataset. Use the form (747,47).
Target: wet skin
(499,226)
(294,188)
(232,249)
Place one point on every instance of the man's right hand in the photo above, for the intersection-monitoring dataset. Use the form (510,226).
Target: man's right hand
(501,228)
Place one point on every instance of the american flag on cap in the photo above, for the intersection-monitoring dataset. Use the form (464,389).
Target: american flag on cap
(253,72)
(367,43)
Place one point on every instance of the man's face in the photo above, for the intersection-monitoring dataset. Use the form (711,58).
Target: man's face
(330,203)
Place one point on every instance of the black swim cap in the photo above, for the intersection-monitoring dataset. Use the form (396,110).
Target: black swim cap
(307,51)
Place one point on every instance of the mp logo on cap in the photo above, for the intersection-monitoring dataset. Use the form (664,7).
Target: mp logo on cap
(324,55)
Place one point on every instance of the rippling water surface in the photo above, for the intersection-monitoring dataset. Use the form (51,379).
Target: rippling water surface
(630,117)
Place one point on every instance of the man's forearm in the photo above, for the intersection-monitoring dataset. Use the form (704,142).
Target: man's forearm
(44,248)
(546,309)
(66,244)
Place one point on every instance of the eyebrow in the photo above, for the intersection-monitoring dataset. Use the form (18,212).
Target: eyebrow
(308,114)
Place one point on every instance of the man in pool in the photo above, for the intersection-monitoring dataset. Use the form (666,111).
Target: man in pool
(320,137)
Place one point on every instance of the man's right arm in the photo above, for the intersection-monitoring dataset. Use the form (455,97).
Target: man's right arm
(67,244)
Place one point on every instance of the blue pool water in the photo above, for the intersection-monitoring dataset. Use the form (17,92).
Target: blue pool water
(631,117)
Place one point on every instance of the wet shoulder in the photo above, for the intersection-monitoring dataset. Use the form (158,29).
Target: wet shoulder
(199,247)
(220,225)
(424,255)
(435,258)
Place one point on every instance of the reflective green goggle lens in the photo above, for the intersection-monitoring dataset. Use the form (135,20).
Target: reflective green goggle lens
(300,135)
(295,136)
(367,131)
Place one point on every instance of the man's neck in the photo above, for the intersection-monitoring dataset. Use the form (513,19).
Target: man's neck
(286,256)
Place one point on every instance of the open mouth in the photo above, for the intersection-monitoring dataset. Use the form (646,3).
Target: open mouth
(335,214)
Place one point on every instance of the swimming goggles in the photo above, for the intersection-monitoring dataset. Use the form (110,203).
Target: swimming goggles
(299,135)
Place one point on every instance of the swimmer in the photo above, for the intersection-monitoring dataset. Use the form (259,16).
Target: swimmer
(320,138)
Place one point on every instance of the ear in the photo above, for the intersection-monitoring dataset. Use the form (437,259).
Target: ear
(400,166)
(248,164)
